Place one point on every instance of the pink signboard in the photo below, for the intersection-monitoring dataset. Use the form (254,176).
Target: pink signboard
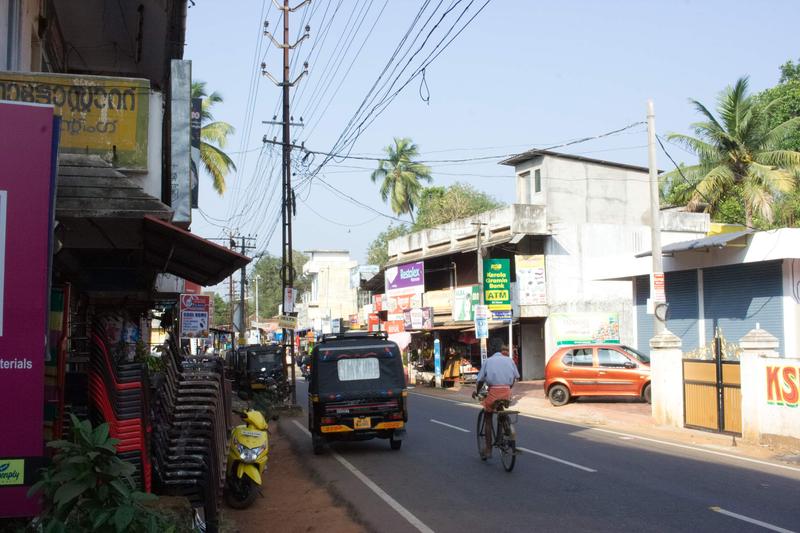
(27,163)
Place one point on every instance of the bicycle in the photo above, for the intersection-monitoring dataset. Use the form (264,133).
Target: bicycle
(504,436)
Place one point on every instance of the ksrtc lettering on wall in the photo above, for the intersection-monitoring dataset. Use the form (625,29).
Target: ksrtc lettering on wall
(783,385)
(99,115)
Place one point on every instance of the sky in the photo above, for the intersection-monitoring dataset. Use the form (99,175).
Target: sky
(521,75)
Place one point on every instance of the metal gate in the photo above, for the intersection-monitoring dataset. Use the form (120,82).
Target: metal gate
(712,396)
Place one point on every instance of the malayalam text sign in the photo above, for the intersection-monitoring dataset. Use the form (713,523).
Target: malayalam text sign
(27,151)
(194,315)
(100,115)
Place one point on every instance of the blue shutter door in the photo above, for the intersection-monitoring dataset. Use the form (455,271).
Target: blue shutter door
(737,297)
(682,314)
(644,322)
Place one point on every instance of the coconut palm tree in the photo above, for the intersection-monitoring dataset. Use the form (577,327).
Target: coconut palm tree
(738,154)
(213,138)
(401,176)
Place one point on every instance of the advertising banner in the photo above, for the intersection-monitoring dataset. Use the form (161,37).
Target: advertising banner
(497,287)
(585,328)
(181,160)
(531,281)
(405,279)
(289,322)
(464,301)
(377,301)
(194,310)
(373,322)
(99,115)
(441,300)
(393,326)
(28,147)
(418,318)
(196,127)
(395,305)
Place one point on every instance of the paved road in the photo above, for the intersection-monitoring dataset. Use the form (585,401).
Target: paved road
(571,478)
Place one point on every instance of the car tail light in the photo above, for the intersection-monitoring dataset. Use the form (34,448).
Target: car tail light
(395,416)
(328,419)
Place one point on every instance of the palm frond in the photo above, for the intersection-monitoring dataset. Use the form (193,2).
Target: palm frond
(217,133)
(702,149)
(780,132)
(217,163)
(785,159)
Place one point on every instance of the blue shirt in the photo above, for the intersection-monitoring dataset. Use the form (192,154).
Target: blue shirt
(498,369)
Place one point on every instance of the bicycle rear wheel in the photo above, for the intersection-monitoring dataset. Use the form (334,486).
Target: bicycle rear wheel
(507,443)
(480,431)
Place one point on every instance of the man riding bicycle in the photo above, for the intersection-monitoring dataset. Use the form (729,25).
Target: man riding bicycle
(498,372)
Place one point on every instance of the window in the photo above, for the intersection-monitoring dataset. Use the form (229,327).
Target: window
(579,357)
(10,35)
(611,358)
(644,358)
(524,188)
(537,181)
(358,369)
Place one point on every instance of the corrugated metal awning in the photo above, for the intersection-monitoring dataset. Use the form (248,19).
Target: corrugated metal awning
(715,241)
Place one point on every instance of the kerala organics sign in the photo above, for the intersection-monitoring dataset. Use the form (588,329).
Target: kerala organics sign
(99,115)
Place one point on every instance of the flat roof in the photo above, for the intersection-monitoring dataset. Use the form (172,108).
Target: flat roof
(530,154)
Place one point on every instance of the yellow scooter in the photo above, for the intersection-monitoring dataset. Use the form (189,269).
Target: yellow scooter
(247,460)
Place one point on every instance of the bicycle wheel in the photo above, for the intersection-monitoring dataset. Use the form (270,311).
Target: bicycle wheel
(507,443)
(480,431)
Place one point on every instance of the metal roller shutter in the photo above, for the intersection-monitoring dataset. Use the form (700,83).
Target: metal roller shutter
(682,316)
(737,297)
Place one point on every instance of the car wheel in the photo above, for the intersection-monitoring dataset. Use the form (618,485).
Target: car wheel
(558,395)
(646,393)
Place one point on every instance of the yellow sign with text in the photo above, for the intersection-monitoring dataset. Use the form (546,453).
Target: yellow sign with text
(99,115)
(12,472)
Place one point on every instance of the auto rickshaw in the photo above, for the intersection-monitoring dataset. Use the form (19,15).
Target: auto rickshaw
(254,367)
(357,390)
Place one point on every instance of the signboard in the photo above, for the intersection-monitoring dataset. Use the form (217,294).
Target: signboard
(377,301)
(181,157)
(418,318)
(531,281)
(405,279)
(497,287)
(482,315)
(289,299)
(289,322)
(393,326)
(194,310)
(397,304)
(659,293)
(373,322)
(336,325)
(464,301)
(585,328)
(783,385)
(437,358)
(195,124)
(99,115)
(28,147)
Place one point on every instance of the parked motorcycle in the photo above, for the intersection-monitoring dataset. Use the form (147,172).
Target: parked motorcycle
(247,460)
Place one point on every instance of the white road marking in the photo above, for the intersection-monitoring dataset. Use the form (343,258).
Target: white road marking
(449,425)
(698,448)
(394,504)
(556,459)
(743,518)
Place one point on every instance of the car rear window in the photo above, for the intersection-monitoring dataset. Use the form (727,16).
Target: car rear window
(358,369)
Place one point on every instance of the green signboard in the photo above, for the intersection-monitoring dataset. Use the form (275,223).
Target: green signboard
(497,284)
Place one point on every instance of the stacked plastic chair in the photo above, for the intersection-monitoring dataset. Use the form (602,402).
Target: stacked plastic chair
(190,429)
(117,393)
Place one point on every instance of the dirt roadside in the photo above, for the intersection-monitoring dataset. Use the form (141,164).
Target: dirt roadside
(293,500)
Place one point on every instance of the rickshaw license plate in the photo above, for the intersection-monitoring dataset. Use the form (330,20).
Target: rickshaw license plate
(361,423)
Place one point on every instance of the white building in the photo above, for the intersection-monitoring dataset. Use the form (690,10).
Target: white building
(332,295)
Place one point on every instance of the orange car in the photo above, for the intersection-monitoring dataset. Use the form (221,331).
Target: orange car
(596,370)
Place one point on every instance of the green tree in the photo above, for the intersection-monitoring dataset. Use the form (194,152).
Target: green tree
(268,267)
(738,149)
(401,176)
(222,311)
(785,99)
(378,249)
(213,138)
(440,205)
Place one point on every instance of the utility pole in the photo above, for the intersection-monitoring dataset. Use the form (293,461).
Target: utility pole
(246,244)
(657,284)
(257,277)
(480,225)
(230,296)
(288,205)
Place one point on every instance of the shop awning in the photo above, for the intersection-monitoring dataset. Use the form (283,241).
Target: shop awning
(177,251)
(715,241)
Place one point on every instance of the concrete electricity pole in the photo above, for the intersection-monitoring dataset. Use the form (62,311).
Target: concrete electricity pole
(257,277)
(288,206)
(657,285)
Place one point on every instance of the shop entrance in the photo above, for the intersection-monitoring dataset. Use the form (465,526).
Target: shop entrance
(532,350)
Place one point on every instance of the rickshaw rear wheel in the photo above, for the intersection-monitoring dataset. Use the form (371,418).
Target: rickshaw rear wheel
(318,443)
(395,444)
